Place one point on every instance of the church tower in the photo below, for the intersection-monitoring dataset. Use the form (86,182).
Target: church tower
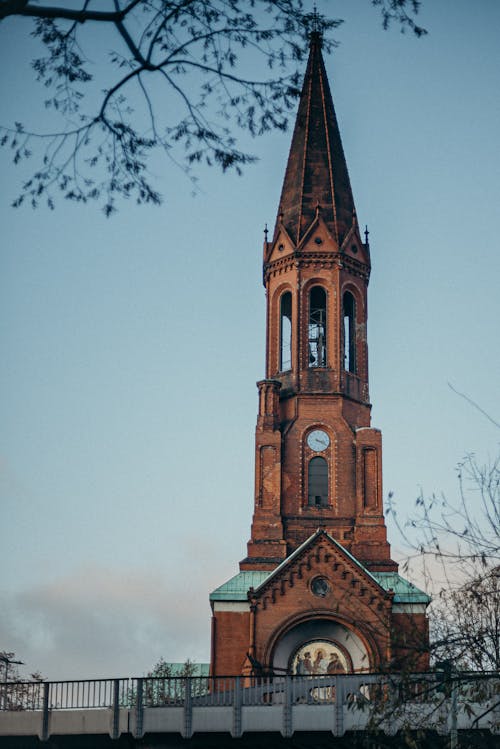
(318,460)
(318,578)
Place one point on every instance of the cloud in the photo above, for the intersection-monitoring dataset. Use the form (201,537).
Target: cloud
(103,623)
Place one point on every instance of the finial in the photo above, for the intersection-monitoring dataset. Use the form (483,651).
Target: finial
(315,18)
(367,233)
(316,26)
(265,232)
(318,208)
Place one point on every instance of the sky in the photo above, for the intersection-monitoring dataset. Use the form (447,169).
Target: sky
(130,346)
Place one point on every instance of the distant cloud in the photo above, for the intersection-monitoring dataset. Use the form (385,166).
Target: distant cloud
(102,623)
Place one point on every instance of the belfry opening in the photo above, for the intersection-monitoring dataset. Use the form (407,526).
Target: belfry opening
(318,591)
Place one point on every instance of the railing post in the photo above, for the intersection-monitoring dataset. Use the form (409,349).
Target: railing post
(139,709)
(45,712)
(287,708)
(115,730)
(339,706)
(237,708)
(453,710)
(188,710)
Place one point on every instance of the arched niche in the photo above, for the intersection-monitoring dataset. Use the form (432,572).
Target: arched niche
(349,332)
(312,631)
(285,332)
(317,327)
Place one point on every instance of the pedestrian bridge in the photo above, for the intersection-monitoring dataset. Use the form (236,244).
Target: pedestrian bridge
(237,706)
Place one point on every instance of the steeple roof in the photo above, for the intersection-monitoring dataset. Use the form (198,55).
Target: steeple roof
(316,173)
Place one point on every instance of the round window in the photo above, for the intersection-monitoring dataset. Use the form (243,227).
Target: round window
(320,587)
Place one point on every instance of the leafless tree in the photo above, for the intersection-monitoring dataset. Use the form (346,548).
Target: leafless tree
(17,694)
(455,543)
(180,76)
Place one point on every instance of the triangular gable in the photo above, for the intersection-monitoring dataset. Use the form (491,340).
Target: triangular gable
(319,227)
(335,555)
(281,246)
(352,246)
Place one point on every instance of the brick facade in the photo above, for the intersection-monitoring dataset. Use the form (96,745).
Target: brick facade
(318,506)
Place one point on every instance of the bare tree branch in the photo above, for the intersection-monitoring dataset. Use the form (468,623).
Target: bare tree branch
(203,51)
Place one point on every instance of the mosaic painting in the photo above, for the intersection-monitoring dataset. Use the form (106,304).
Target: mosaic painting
(319,657)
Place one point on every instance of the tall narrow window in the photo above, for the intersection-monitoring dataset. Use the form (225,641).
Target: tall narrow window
(317,493)
(285,331)
(317,327)
(349,306)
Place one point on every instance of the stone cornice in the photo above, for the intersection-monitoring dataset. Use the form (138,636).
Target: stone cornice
(306,259)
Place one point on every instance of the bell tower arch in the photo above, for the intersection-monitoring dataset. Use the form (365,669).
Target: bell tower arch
(316,273)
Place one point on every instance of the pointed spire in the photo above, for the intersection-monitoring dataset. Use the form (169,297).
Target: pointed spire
(316,172)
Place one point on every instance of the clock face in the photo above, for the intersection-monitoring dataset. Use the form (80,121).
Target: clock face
(318,440)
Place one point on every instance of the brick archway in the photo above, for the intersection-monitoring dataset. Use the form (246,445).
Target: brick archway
(360,647)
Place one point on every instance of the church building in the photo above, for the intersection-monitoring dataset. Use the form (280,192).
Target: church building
(318,591)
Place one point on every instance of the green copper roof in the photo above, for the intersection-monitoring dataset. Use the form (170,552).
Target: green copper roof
(195,669)
(404,591)
(237,587)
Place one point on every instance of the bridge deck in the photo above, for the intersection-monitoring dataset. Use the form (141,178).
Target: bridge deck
(236,706)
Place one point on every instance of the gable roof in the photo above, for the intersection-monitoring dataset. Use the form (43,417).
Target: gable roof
(238,587)
(195,669)
(404,590)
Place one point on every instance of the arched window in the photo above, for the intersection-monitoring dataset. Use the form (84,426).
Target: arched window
(317,327)
(285,331)
(317,493)
(349,314)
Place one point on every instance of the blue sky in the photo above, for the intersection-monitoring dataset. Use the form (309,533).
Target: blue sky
(131,346)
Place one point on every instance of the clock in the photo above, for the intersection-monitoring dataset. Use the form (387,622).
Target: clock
(318,440)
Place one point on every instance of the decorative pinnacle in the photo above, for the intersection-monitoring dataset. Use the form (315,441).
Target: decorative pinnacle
(266,231)
(367,233)
(316,25)
(315,19)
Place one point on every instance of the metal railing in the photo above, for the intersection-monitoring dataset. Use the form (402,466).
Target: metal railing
(221,691)
(357,702)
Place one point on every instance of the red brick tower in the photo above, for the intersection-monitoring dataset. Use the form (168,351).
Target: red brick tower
(318,576)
